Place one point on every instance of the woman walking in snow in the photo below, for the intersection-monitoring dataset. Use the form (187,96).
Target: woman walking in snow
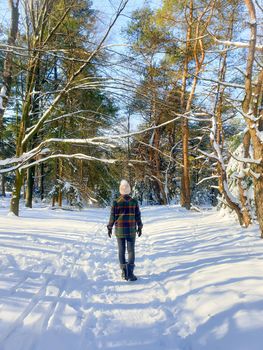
(126,216)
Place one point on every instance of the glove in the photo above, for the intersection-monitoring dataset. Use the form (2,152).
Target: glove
(139,232)
(109,232)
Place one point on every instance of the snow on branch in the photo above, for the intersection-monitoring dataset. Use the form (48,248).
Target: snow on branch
(72,114)
(246,171)
(250,116)
(229,194)
(40,149)
(255,175)
(209,155)
(224,83)
(260,135)
(68,156)
(207,178)
(237,44)
(179,116)
(215,144)
(79,156)
(12,160)
(246,160)
(73,141)
(2,96)
(97,141)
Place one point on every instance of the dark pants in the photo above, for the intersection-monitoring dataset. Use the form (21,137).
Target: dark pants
(130,248)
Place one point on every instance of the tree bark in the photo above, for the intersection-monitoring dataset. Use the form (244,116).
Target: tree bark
(60,173)
(3,185)
(30,186)
(242,187)
(159,183)
(185,198)
(185,179)
(41,185)
(252,113)
(14,205)
(258,169)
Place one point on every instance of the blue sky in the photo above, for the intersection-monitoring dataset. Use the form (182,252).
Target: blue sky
(106,7)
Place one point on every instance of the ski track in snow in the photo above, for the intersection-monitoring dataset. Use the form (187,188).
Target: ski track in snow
(199,287)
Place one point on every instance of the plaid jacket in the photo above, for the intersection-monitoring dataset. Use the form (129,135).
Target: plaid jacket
(125,215)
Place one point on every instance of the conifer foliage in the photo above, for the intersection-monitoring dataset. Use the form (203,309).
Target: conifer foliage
(171,102)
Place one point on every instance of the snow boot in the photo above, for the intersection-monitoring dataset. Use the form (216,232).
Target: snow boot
(124,271)
(131,276)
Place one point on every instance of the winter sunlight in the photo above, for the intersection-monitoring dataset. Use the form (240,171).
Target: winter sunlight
(131,174)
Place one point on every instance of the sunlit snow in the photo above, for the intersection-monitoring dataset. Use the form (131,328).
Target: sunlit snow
(199,282)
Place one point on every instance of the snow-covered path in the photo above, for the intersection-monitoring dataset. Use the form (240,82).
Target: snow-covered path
(199,287)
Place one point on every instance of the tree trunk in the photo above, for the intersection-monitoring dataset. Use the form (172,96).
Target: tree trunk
(54,199)
(217,138)
(60,198)
(258,187)
(185,180)
(60,165)
(14,205)
(230,202)
(250,109)
(258,154)
(198,54)
(242,187)
(3,185)
(185,198)
(258,169)
(34,111)
(30,186)
(41,186)
(159,183)
(258,183)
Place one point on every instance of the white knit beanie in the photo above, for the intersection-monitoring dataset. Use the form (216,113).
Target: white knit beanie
(124,187)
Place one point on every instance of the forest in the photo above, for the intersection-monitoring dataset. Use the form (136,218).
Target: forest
(173,103)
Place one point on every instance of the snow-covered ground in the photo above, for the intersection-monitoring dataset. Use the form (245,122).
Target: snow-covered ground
(200,283)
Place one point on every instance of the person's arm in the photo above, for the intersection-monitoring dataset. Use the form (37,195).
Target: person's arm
(138,219)
(111,220)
